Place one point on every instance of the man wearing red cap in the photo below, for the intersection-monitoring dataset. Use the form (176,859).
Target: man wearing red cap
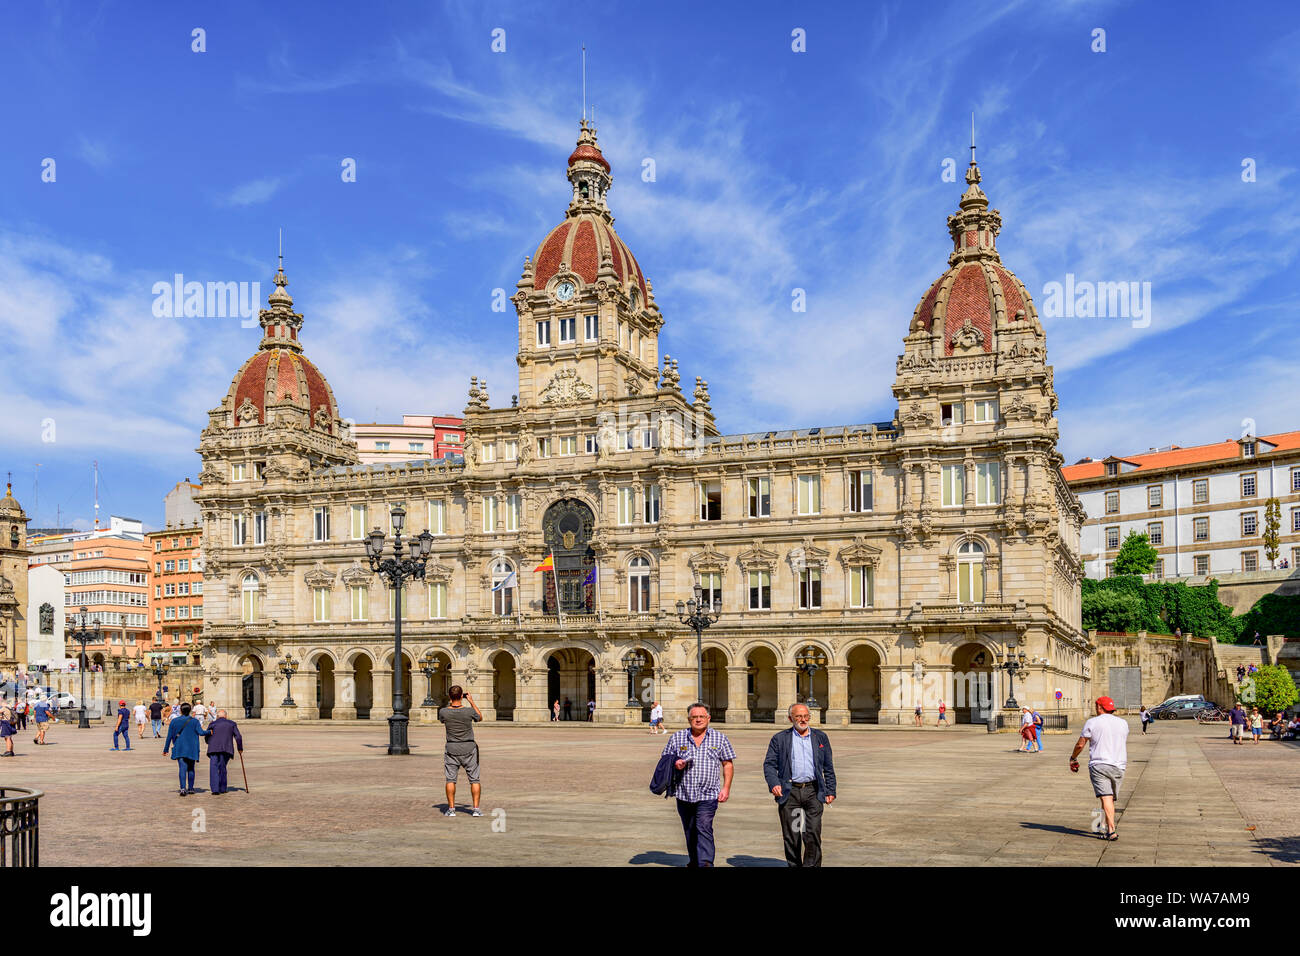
(1107,738)
(123,725)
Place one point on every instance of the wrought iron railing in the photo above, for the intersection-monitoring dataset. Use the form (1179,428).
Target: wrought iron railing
(19,826)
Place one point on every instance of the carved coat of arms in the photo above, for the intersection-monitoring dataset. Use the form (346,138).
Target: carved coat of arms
(566,388)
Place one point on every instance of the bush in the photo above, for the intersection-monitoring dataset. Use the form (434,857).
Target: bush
(1158,608)
(1270,689)
(1108,610)
(1272,614)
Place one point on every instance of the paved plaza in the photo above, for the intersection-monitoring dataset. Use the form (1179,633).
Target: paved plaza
(568,794)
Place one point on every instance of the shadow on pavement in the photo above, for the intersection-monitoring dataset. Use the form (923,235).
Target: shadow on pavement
(1282,849)
(659,857)
(1057,828)
(742,860)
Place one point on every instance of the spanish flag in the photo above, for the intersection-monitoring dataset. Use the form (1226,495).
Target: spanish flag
(547,565)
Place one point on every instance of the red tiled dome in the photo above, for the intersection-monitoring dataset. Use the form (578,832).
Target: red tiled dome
(593,153)
(581,241)
(277,374)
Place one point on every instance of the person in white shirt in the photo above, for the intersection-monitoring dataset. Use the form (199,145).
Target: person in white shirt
(141,718)
(1107,738)
(657,719)
(200,713)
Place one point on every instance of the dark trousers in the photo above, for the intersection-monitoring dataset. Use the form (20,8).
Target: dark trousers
(801,827)
(185,769)
(697,821)
(126,735)
(217,772)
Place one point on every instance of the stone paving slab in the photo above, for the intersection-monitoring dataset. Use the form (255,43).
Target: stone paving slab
(564,795)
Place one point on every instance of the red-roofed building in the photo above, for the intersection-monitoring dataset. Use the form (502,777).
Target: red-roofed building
(1202,506)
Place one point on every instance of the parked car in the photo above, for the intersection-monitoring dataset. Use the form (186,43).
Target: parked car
(1180,709)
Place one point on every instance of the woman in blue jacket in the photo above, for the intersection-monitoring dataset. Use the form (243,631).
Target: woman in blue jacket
(185,732)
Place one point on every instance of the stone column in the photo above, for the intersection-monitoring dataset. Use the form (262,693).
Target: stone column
(530,694)
(786,692)
(381,706)
(345,695)
(837,688)
(737,694)
(304,692)
(611,696)
(895,703)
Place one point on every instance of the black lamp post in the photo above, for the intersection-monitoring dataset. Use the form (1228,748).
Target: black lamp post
(288,667)
(808,661)
(160,668)
(634,662)
(83,637)
(430,668)
(395,571)
(697,615)
(1012,662)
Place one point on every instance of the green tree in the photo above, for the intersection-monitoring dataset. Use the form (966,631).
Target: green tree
(1272,531)
(1136,556)
(1110,610)
(1270,689)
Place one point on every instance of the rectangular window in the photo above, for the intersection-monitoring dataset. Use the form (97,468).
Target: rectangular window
(1154,496)
(710,500)
(511,451)
(1200,529)
(239,472)
(514,511)
(1159,571)
(986,411)
(392,605)
(382,446)
(970,581)
(1156,533)
(196,610)
(627,440)
(1202,563)
(169,590)
(157,545)
(357,526)
(438,600)
(650,504)
(321,524)
(592,328)
(760,591)
(1112,502)
(239,530)
(1248,485)
(810,495)
(437,517)
(1295,519)
(360,600)
(626,505)
(169,614)
(810,588)
(1112,538)
(169,565)
(417,446)
(638,593)
(489,515)
(487,452)
(568,445)
(259,529)
(157,590)
(543,334)
(189,542)
(954,486)
(591,444)
(988,483)
(1248,449)
(1248,524)
(568,327)
(711,590)
(860,491)
(1250,560)
(183,588)
(543,448)
(1295,479)
(861,586)
(1200,491)
(952,413)
(760,497)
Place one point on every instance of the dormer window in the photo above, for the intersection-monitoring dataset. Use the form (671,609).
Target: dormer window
(1248,449)
(1112,469)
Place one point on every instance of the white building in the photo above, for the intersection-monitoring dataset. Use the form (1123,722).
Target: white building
(45,617)
(1202,507)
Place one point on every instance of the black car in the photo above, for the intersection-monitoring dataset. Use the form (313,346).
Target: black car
(1177,709)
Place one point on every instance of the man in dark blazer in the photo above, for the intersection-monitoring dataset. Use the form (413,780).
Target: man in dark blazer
(801,775)
(223,737)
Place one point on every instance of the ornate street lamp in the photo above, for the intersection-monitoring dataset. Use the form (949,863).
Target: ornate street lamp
(1012,662)
(634,662)
(288,667)
(431,665)
(160,668)
(808,661)
(696,614)
(83,637)
(395,571)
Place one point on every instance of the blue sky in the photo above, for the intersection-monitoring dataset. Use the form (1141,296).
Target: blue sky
(775,170)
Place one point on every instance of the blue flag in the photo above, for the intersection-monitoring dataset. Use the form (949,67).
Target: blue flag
(591,576)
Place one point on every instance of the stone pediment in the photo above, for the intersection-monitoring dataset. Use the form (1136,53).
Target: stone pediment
(808,556)
(859,553)
(355,574)
(757,558)
(319,577)
(708,560)
(437,572)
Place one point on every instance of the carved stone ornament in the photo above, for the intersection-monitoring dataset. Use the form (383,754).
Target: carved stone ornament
(322,419)
(525,672)
(247,413)
(566,388)
(916,362)
(708,560)
(757,558)
(319,577)
(914,417)
(1019,410)
(1020,351)
(437,573)
(859,553)
(967,337)
(355,574)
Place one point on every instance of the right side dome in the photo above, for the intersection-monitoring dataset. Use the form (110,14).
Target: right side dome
(966,306)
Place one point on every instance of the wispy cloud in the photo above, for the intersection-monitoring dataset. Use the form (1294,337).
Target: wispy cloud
(253,192)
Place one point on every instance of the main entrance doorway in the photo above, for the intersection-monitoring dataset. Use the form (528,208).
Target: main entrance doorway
(566,527)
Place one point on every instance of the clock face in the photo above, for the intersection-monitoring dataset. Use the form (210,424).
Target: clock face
(564,291)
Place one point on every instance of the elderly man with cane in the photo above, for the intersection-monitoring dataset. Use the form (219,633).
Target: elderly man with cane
(223,738)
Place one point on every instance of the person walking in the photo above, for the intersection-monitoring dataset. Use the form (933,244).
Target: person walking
(7,729)
(20,713)
(199,713)
(918,717)
(1145,717)
(141,718)
(1107,738)
(461,750)
(943,715)
(223,738)
(1026,730)
(656,718)
(1038,729)
(156,716)
(800,774)
(707,761)
(1236,722)
(122,725)
(1256,724)
(41,717)
(167,713)
(183,741)
(555,711)
(591,711)
(568,709)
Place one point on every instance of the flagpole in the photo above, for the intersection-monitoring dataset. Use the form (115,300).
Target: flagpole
(555,576)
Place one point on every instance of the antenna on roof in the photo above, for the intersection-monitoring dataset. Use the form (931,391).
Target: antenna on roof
(584,82)
(281,248)
(972,138)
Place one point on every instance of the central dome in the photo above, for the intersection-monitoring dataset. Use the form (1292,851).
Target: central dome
(586,238)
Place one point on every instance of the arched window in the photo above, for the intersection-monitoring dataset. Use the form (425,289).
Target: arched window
(252,598)
(970,573)
(638,585)
(503,588)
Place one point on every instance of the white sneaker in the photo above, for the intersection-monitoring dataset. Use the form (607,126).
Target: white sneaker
(449,812)
(476,812)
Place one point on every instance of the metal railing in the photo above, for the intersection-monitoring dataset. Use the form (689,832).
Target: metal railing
(19,826)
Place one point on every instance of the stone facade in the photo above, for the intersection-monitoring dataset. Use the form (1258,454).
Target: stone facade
(907,554)
(14,555)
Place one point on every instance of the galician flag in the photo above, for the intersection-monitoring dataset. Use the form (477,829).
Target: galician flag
(507,582)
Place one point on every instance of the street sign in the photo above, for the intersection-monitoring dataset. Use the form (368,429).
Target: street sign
(1059,695)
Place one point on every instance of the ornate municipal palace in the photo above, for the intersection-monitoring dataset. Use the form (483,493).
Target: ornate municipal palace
(905,559)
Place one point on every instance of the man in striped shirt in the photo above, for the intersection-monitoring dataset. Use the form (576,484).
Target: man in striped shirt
(705,757)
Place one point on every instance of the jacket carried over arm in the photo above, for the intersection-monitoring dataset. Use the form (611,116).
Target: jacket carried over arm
(777,766)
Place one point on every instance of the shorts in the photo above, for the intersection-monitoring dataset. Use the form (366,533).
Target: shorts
(943,715)
(656,722)
(1105,778)
(1234,730)
(1256,731)
(453,762)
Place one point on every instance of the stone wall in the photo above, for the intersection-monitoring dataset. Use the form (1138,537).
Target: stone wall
(132,686)
(1169,666)
(1241,590)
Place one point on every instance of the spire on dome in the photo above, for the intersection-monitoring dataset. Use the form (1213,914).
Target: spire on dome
(974,226)
(280,324)
(589,172)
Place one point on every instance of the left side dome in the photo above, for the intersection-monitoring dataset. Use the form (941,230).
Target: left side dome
(280,373)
